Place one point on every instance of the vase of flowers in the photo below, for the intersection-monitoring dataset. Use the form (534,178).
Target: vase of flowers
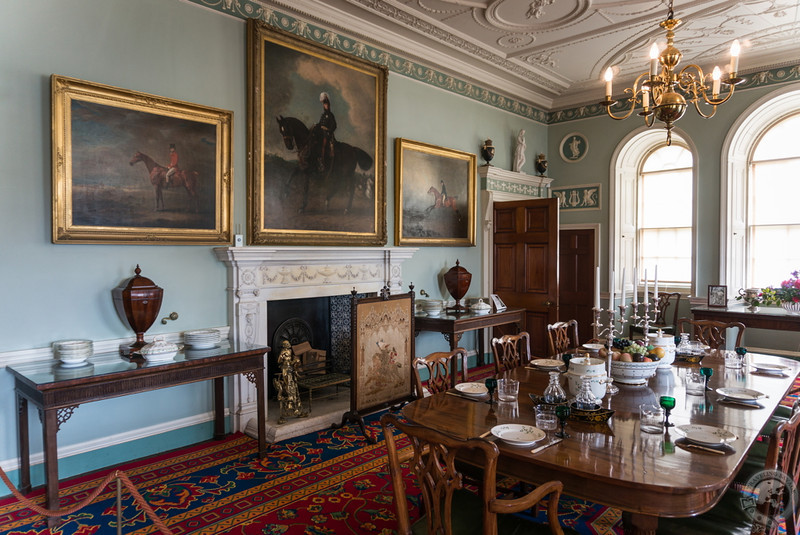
(789,293)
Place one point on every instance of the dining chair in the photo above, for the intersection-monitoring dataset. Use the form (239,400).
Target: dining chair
(666,314)
(563,335)
(443,371)
(710,332)
(729,515)
(511,351)
(449,507)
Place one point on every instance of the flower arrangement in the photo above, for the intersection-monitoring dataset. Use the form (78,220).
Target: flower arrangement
(789,291)
(765,297)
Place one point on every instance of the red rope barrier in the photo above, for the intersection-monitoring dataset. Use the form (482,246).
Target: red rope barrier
(119,475)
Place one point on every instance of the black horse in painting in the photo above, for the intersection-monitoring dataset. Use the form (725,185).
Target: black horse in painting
(339,173)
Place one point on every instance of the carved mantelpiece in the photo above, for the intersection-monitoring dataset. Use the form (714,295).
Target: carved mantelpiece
(257,275)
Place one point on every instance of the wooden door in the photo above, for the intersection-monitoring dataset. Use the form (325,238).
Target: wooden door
(576,278)
(526,263)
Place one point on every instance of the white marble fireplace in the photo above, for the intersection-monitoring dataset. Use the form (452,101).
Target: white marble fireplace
(257,275)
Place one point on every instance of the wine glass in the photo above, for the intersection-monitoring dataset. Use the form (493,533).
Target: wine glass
(566,357)
(562,412)
(707,373)
(491,384)
(667,403)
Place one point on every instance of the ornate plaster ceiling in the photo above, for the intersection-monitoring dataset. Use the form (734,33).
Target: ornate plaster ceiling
(552,53)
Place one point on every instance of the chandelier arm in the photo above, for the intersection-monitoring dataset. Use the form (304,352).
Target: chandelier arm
(700,112)
(631,99)
(718,101)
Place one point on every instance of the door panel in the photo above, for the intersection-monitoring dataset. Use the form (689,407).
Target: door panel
(576,278)
(526,263)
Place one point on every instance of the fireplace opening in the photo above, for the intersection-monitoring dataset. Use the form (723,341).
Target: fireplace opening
(324,322)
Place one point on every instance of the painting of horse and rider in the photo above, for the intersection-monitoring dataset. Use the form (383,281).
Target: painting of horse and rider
(317,137)
(435,195)
(139,172)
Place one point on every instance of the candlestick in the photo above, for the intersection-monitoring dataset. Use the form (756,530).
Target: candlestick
(646,288)
(735,49)
(655,287)
(624,289)
(613,283)
(608,77)
(635,286)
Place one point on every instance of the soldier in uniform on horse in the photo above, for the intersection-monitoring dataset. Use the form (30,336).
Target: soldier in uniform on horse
(327,124)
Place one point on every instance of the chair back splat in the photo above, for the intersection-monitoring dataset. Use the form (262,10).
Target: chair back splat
(511,351)
(443,371)
(710,332)
(434,468)
(563,335)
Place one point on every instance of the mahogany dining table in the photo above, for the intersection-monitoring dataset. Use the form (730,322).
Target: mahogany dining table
(645,475)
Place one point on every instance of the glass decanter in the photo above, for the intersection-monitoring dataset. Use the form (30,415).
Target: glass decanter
(684,346)
(586,400)
(554,393)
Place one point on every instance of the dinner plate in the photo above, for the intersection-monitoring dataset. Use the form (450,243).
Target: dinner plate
(740,394)
(517,434)
(765,367)
(546,364)
(472,389)
(705,435)
(593,347)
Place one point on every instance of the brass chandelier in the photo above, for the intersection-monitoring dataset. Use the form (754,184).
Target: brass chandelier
(670,91)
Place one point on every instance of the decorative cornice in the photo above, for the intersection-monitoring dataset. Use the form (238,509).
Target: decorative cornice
(245,9)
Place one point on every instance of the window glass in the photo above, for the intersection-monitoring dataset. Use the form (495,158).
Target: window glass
(665,214)
(773,223)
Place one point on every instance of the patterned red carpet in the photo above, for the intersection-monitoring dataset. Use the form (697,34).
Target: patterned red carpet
(331,482)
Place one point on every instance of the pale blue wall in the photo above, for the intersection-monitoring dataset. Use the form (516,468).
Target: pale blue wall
(181,51)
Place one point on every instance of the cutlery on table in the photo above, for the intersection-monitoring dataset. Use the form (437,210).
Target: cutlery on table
(545,446)
(462,396)
(690,445)
(740,403)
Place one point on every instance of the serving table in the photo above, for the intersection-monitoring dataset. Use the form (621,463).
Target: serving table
(615,463)
(57,391)
(766,318)
(452,326)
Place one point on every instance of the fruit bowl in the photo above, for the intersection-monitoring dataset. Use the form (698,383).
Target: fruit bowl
(632,373)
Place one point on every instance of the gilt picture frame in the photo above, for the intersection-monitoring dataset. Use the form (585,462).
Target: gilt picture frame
(316,175)
(434,195)
(111,155)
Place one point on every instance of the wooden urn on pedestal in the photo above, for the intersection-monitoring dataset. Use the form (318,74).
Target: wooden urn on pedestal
(457,280)
(138,302)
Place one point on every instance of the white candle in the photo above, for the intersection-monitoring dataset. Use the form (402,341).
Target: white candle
(654,60)
(624,290)
(735,49)
(635,285)
(611,301)
(655,286)
(608,77)
(645,98)
(646,287)
(715,75)
(597,288)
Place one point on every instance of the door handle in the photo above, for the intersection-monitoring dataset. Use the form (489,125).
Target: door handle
(548,303)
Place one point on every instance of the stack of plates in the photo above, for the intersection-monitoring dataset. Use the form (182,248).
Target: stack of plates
(736,394)
(73,353)
(204,339)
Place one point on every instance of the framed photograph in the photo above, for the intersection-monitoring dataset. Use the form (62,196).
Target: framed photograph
(717,296)
(499,306)
(131,167)
(434,195)
(317,137)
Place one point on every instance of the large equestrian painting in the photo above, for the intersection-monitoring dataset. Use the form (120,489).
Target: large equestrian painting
(434,195)
(135,168)
(317,137)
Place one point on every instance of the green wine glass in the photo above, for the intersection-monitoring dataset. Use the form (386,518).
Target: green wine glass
(707,373)
(491,384)
(667,403)
(562,412)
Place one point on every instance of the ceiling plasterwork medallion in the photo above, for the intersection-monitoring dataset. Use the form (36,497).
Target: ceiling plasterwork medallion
(535,15)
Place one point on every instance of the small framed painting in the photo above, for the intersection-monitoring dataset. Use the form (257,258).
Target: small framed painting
(434,195)
(717,296)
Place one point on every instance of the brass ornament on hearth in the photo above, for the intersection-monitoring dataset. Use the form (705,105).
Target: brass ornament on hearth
(286,384)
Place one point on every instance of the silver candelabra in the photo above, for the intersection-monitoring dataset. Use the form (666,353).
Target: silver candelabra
(610,331)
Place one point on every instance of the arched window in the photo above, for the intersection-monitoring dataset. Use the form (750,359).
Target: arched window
(760,226)
(653,213)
